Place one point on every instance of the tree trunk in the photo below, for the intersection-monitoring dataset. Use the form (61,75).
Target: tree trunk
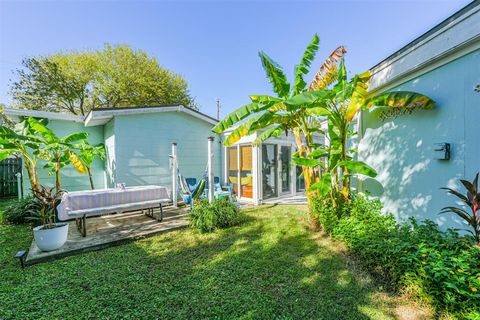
(90,178)
(57,176)
(31,168)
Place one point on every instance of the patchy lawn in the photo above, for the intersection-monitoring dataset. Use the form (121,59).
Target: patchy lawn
(269,267)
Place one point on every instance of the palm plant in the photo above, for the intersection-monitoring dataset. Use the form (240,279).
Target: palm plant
(472,200)
(59,151)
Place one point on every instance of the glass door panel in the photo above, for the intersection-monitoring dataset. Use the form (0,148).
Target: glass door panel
(246,178)
(269,171)
(233,168)
(285,158)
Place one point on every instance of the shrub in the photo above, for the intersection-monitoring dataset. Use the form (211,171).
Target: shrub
(18,211)
(442,266)
(221,213)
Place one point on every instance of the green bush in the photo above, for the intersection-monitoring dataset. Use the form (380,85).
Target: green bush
(443,267)
(220,214)
(17,212)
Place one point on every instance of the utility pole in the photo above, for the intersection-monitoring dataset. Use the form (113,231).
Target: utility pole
(218,109)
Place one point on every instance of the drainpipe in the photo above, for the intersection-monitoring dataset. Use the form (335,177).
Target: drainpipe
(210,170)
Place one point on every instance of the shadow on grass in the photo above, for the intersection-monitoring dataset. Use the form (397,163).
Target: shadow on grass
(263,269)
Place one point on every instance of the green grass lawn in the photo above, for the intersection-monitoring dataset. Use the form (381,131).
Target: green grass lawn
(269,267)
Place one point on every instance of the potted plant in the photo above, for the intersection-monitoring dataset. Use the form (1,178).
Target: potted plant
(49,235)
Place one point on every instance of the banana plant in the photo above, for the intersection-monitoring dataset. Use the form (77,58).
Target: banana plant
(347,99)
(294,108)
(299,109)
(58,151)
(87,154)
(23,141)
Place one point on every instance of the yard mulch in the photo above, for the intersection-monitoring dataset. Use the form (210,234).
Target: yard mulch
(269,267)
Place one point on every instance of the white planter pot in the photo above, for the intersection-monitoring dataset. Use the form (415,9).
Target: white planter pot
(51,239)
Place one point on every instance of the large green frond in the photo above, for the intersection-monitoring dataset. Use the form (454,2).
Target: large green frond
(303,68)
(42,129)
(240,131)
(401,100)
(274,131)
(275,75)
(359,94)
(240,114)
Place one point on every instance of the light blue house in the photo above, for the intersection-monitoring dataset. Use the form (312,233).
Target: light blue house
(444,64)
(138,143)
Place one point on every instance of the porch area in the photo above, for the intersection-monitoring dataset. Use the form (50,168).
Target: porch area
(110,230)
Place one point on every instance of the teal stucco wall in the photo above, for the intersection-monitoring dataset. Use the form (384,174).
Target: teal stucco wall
(401,149)
(143,145)
(71,180)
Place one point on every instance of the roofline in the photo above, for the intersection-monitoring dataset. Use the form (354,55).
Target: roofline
(42,114)
(427,34)
(105,112)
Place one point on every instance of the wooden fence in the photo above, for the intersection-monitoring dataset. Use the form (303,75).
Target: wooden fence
(8,177)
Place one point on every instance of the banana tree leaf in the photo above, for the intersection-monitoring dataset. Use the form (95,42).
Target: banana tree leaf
(275,131)
(359,167)
(323,186)
(76,162)
(240,114)
(303,67)
(264,99)
(319,153)
(359,94)
(41,129)
(74,137)
(5,153)
(8,134)
(312,98)
(326,74)
(241,131)
(401,99)
(305,162)
(275,75)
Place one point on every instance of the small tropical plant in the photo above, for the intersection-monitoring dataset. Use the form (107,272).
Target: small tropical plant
(45,202)
(472,200)
(221,213)
(17,212)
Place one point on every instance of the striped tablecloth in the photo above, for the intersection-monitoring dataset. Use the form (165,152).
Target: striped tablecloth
(105,198)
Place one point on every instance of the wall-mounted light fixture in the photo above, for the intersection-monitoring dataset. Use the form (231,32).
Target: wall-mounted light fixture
(441,151)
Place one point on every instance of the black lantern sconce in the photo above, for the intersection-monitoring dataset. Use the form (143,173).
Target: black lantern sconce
(441,151)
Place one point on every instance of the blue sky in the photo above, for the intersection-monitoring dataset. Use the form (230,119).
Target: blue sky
(214,44)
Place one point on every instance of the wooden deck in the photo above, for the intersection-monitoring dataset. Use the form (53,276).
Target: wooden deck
(110,230)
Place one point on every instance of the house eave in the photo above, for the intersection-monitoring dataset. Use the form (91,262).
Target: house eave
(15,114)
(443,43)
(102,116)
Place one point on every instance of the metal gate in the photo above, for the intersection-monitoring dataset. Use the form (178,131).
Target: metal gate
(8,177)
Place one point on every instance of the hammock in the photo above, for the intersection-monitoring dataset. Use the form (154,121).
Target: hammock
(191,193)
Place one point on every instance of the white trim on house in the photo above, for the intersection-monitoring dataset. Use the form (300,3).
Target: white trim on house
(16,113)
(101,116)
(456,36)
